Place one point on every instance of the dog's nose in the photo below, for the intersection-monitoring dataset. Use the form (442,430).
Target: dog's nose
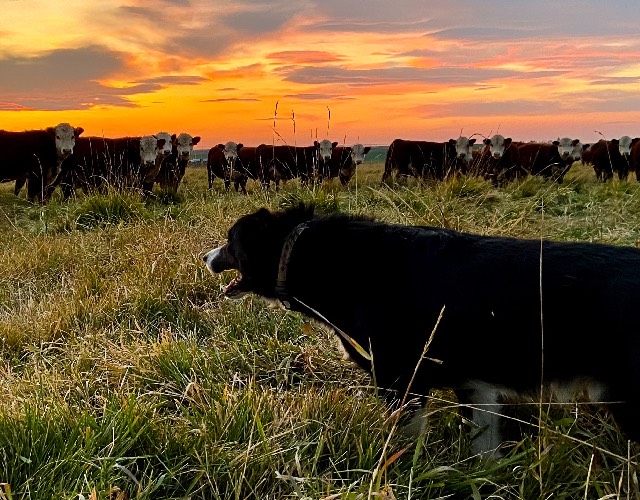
(204,257)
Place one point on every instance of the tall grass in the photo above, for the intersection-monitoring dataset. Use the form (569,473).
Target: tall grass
(124,373)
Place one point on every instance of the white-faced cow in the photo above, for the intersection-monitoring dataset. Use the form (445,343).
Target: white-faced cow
(608,157)
(170,174)
(35,156)
(344,161)
(427,160)
(550,160)
(499,160)
(324,149)
(221,163)
(100,162)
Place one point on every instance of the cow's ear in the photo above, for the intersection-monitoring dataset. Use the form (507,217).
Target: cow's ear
(575,142)
(78,131)
(334,144)
(367,149)
(452,141)
(615,141)
(556,143)
(507,141)
(239,147)
(487,141)
(585,146)
(633,141)
(220,146)
(196,140)
(315,143)
(472,142)
(161,143)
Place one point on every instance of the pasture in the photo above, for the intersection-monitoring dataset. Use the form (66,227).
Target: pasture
(125,373)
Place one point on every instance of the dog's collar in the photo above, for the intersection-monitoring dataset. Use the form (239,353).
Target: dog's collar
(281,285)
(286,299)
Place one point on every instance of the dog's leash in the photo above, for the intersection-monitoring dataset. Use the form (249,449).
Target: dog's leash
(285,298)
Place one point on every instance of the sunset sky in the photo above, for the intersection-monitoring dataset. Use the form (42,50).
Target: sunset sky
(352,71)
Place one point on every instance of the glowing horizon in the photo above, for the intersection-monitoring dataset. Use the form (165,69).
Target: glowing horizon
(368,72)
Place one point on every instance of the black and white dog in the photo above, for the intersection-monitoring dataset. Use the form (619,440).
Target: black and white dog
(516,312)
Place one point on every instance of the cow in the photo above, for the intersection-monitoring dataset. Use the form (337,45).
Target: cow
(171,173)
(166,154)
(344,161)
(499,160)
(246,167)
(609,157)
(427,160)
(324,150)
(635,158)
(550,160)
(282,163)
(100,162)
(35,157)
(221,163)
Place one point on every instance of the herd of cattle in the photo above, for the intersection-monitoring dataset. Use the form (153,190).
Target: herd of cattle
(58,156)
(501,159)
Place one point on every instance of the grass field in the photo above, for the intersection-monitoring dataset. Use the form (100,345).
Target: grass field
(125,373)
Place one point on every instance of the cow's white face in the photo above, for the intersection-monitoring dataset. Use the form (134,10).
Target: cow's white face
(165,150)
(184,144)
(498,145)
(463,148)
(565,147)
(576,152)
(358,152)
(230,150)
(65,136)
(324,150)
(149,148)
(624,145)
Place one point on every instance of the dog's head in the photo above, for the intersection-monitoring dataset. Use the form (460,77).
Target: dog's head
(253,248)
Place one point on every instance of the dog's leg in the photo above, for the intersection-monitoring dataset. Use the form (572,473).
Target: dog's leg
(485,413)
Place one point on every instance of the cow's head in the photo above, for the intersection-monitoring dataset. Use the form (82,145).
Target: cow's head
(169,141)
(65,137)
(463,148)
(498,145)
(624,145)
(150,146)
(358,152)
(230,151)
(565,147)
(184,145)
(324,148)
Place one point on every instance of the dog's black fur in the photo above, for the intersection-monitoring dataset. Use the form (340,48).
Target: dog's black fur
(385,286)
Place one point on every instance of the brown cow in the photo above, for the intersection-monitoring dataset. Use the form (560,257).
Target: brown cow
(427,160)
(609,157)
(276,163)
(172,172)
(499,160)
(99,162)
(221,163)
(36,156)
(550,160)
(635,158)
